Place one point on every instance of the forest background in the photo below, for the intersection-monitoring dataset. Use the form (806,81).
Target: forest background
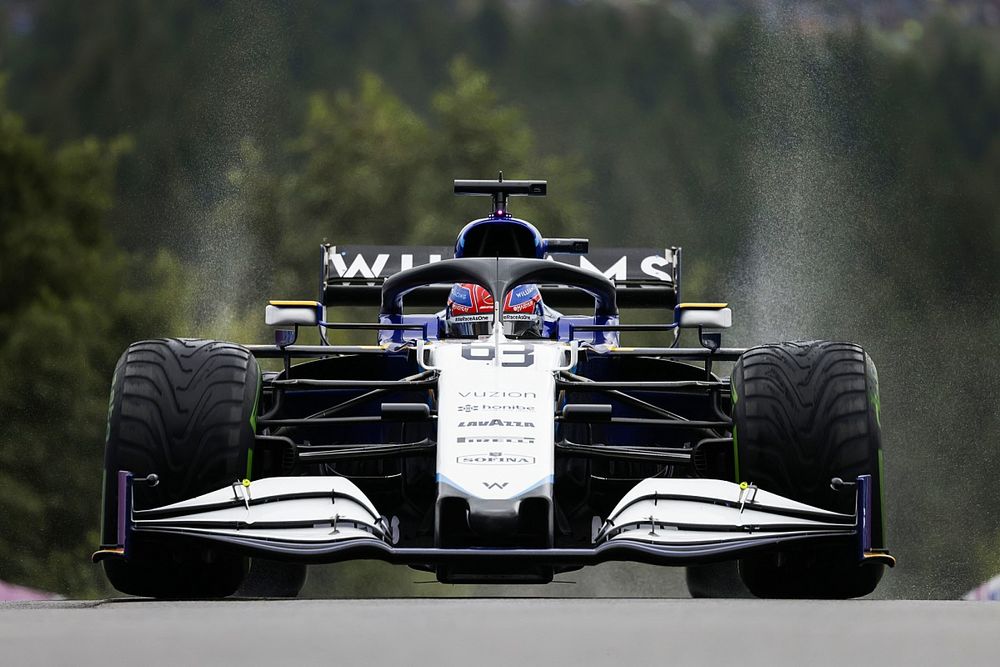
(831,169)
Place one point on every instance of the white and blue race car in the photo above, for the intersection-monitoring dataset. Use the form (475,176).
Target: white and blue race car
(484,451)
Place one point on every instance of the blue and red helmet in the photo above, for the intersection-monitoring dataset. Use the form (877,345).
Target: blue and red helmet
(470,312)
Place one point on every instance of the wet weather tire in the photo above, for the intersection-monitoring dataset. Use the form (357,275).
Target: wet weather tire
(715,580)
(273,579)
(804,413)
(182,409)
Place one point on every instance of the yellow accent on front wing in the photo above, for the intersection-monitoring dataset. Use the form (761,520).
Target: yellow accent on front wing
(295,304)
(101,554)
(886,558)
(702,306)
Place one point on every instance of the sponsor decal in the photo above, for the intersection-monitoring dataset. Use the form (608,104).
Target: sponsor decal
(359,266)
(382,261)
(471,318)
(496,422)
(524,299)
(496,407)
(494,440)
(498,394)
(496,458)
(496,486)
(522,293)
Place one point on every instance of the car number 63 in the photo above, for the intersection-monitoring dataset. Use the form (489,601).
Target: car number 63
(515,356)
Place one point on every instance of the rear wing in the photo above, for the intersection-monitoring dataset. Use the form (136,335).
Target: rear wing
(353,276)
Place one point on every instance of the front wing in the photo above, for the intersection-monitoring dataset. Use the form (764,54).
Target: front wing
(661,521)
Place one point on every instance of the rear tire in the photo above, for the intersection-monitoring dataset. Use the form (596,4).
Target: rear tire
(804,413)
(184,410)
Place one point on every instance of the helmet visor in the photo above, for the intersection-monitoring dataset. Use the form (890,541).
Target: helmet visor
(470,326)
(522,325)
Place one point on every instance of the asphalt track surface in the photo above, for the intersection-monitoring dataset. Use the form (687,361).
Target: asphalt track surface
(511,632)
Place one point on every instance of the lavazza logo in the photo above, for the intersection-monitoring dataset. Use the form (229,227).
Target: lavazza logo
(495,408)
(496,458)
(496,422)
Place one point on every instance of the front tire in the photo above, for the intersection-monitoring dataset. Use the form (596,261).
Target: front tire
(273,579)
(184,410)
(804,413)
(716,580)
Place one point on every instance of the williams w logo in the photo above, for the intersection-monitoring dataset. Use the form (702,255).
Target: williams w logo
(496,486)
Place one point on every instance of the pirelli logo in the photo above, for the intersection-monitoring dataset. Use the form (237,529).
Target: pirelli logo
(495,422)
(494,440)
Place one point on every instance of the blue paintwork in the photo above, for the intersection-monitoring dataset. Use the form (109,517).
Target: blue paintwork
(559,327)
(555,326)
(461,295)
(432,322)
(864,510)
(497,221)
(566,325)
(521,295)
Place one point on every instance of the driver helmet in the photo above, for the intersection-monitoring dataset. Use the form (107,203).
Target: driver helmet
(470,312)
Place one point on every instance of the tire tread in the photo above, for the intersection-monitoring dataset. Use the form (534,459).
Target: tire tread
(181,409)
(803,416)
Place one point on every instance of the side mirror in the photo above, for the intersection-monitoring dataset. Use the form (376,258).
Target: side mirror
(404,412)
(298,313)
(586,412)
(711,315)
(568,246)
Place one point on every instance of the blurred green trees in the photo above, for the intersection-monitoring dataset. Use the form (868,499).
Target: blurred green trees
(368,168)
(71,300)
(829,181)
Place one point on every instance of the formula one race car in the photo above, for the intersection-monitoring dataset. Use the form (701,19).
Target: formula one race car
(493,438)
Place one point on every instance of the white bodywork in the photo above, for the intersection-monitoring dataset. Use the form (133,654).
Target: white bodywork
(339,511)
(667,512)
(716,318)
(496,415)
(680,511)
(276,316)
